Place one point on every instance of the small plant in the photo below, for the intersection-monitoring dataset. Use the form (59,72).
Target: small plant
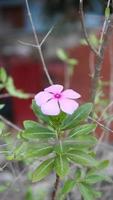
(61,141)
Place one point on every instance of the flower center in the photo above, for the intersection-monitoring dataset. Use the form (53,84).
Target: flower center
(57,96)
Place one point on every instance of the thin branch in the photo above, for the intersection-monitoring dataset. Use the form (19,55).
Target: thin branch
(10,123)
(53,197)
(27,44)
(44,39)
(34,45)
(106,108)
(6,95)
(84,30)
(37,44)
(101,125)
(99,60)
(103,29)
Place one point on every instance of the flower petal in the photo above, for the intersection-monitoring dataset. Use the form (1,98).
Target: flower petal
(54,88)
(42,97)
(69,93)
(51,107)
(68,105)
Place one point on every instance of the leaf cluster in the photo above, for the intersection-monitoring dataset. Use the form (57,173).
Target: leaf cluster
(6,82)
(60,142)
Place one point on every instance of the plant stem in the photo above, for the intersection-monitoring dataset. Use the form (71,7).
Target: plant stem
(38,46)
(99,60)
(10,123)
(85,31)
(6,95)
(53,196)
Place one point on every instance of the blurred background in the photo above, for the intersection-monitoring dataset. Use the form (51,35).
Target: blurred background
(23,62)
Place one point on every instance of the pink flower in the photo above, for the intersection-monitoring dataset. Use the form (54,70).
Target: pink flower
(53,100)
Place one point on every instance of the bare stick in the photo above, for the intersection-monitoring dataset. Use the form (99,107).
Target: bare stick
(106,108)
(27,44)
(53,197)
(37,43)
(103,29)
(44,39)
(6,95)
(10,123)
(84,30)
(99,60)
(101,125)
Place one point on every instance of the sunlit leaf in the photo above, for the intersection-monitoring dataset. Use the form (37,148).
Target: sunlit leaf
(62,54)
(82,130)
(81,158)
(43,170)
(13,91)
(68,186)
(77,117)
(86,191)
(38,132)
(61,165)
(3,75)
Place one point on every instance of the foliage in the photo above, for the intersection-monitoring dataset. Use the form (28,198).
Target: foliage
(6,82)
(61,141)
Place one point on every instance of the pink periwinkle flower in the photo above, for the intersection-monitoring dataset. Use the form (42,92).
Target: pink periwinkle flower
(53,100)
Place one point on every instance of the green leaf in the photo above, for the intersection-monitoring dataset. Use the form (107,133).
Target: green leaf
(79,144)
(85,140)
(19,151)
(38,132)
(82,130)
(32,150)
(40,150)
(60,148)
(30,124)
(61,166)
(81,158)
(13,91)
(2,106)
(62,55)
(94,40)
(3,75)
(107,12)
(43,170)
(103,164)
(86,191)
(29,194)
(83,42)
(72,61)
(95,178)
(77,117)
(100,166)
(78,174)
(68,186)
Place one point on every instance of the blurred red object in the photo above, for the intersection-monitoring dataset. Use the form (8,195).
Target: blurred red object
(27,75)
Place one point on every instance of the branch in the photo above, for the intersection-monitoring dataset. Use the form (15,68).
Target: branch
(53,197)
(37,44)
(99,60)
(6,95)
(44,39)
(103,28)
(27,44)
(101,125)
(84,30)
(10,123)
